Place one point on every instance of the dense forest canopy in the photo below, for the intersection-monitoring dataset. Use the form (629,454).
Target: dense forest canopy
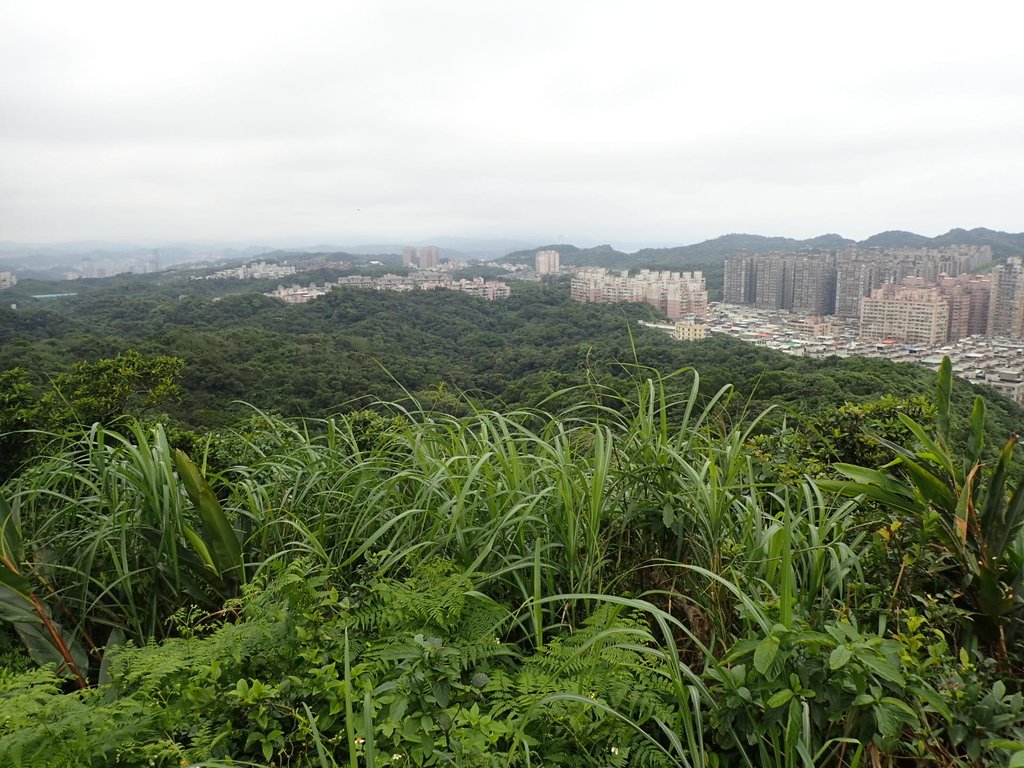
(355,345)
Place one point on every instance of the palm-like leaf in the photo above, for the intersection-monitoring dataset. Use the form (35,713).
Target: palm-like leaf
(219,550)
(964,505)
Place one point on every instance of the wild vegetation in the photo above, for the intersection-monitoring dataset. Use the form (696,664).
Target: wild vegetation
(626,582)
(620,567)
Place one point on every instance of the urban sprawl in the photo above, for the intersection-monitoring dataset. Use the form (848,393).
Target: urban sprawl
(902,304)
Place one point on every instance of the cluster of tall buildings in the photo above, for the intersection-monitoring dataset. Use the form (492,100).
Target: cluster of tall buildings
(924,296)
(106,266)
(947,309)
(927,312)
(7,280)
(424,258)
(674,294)
(834,282)
(547,262)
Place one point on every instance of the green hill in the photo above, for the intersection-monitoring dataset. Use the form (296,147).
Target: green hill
(714,251)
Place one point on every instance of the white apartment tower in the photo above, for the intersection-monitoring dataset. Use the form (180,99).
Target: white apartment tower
(546,262)
(428,257)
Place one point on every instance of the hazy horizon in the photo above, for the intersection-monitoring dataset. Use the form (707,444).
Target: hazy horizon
(356,123)
(445,242)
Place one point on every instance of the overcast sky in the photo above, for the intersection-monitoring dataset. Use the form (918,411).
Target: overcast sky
(379,121)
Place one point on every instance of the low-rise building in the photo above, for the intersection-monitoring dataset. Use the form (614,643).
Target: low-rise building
(491,290)
(259,270)
(690,330)
(997,362)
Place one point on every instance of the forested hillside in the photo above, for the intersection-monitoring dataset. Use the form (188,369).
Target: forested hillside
(466,533)
(709,254)
(353,345)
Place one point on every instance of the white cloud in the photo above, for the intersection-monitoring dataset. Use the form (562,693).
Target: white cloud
(652,121)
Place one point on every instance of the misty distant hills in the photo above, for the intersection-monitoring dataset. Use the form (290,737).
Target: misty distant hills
(49,261)
(450,247)
(95,249)
(1003,244)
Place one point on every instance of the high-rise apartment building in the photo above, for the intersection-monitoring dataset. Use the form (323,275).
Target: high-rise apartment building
(739,279)
(409,256)
(959,298)
(1006,300)
(546,262)
(813,286)
(854,281)
(835,282)
(428,257)
(968,297)
(801,282)
(980,287)
(905,313)
(772,283)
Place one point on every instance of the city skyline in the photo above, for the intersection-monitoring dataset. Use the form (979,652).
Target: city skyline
(396,122)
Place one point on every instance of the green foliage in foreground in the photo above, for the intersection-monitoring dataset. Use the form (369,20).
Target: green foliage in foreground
(419,668)
(427,669)
(635,581)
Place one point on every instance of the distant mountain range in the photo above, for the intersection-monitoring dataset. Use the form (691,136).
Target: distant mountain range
(51,260)
(1003,244)
(458,247)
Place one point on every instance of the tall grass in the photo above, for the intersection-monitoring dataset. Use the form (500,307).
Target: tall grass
(104,520)
(643,500)
(609,497)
